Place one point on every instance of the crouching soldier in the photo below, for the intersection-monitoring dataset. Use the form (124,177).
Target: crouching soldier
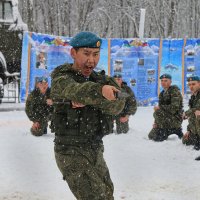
(168,114)
(39,107)
(192,136)
(122,125)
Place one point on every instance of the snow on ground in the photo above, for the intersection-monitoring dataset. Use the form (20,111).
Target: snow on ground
(140,169)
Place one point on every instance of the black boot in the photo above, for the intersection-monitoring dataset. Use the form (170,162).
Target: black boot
(162,134)
(197,158)
(197,147)
(45,131)
(179,133)
(197,143)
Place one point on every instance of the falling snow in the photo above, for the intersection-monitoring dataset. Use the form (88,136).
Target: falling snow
(140,169)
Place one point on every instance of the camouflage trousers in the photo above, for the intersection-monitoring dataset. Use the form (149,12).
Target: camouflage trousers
(40,131)
(198,125)
(166,121)
(86,172)
(121,127)
(161,134)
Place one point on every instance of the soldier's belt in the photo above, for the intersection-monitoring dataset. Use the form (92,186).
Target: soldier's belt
(76,140)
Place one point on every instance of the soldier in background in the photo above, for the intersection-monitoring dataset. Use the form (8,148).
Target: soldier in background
(168,113)
(84,106)
(39,107)
(192,136)
(122,125)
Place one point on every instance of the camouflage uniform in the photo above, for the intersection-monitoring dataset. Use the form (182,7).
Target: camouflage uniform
(129,109)
(37,110)
(193,121)
(168,118)
(79,131)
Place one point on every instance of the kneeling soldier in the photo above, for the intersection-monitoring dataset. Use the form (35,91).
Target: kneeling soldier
(168,114)
(39,107)
(122,125)
(192,136)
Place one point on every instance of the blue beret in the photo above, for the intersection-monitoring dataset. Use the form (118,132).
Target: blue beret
(41,79)
(86,39)
(166,76)
(193,78)
(117,76)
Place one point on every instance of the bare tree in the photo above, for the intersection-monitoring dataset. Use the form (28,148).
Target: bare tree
(116,19)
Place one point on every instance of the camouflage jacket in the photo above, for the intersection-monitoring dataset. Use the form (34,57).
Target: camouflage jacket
(171,108)
(36,107)
(193,121)
(130,104)
(75,126)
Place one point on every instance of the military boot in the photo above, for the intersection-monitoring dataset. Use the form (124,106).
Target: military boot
(162,134)
(178,132)
(197,158)
(197,143)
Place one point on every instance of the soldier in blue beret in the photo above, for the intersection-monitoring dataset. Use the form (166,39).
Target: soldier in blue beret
(192,136)
(86,39)
(168,113)
(122,119)
(168,76)
(84,106)
(39,106)
(193,78)
(117,76)
(41,79)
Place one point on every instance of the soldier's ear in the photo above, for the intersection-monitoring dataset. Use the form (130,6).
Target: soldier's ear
(73,53)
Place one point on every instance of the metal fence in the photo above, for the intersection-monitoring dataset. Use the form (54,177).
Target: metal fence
(11,92)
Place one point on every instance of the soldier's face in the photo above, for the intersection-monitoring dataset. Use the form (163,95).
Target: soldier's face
(165,83)
(194,86)
(85,59)
(119,81)
(42,86)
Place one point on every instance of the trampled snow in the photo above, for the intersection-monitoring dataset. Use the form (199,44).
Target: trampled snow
(140,169)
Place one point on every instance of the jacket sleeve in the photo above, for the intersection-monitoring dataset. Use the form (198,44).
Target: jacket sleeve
(87,93)
(130,107)
(174,106)
(191,111)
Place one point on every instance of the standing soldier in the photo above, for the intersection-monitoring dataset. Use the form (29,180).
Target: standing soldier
(39,107)
(122,125)
(84,105)
(192,136)
(168,113)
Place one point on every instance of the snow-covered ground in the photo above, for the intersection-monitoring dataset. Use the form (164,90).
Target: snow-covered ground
(140,169)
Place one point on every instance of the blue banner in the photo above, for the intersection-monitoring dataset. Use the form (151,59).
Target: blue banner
(137,62)
(191,60)
(172,60)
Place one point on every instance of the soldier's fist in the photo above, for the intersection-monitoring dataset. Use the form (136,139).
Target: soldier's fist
(36,125)
(186,135)
(124,119)
(156,108)
(197,113)
(49,102)
(109,91)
